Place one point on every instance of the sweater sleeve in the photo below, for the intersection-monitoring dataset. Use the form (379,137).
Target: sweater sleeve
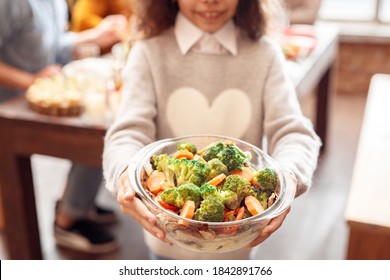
(291,139)
(134,125)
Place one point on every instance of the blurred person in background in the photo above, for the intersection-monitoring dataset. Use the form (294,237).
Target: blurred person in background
(34,42)
(87,14)
(302,11)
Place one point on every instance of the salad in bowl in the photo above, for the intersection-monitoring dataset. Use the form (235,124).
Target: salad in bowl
(210,193)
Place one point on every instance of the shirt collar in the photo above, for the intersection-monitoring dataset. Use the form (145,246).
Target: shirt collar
(187,35)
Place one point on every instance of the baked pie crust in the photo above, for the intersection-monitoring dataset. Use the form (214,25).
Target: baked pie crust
(57,96)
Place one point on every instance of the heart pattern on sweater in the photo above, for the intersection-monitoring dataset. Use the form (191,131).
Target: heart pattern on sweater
(189,112)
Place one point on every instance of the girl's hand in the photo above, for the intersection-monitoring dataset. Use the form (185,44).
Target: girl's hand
(270,228)
(134,207)
(276,222)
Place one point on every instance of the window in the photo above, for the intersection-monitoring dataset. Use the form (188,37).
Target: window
(356,10)
(384,11)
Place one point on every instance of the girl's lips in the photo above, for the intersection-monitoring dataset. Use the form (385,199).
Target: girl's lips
(210,15)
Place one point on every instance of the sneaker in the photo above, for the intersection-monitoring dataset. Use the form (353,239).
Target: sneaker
(85,236)
(102,216)
(98,214)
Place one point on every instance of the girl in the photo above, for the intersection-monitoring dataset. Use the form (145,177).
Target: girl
(205,66)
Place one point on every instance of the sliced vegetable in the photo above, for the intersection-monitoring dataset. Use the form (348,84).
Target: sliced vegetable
(156,181)
(229,215)
(201,152)
(217,179)
(183,154)
(253,205)
(166,205)
(187,211)
(240,215)
(199,158)
(246,173)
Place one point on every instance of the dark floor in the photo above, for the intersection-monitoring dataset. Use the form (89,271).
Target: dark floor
(314,229)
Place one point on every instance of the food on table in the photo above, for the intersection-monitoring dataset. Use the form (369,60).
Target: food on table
(57,96)
(82,87)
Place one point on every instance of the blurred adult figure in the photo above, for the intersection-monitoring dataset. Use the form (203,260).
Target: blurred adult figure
(87,14)
(34,42)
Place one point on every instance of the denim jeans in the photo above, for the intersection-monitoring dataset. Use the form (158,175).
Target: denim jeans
(81,190)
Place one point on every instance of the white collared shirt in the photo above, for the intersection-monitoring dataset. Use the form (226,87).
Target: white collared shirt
(190,37)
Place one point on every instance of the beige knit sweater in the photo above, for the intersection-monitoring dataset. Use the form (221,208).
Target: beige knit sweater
(247,96)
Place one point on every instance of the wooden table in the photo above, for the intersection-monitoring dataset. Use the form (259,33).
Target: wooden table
(368,205)
(25,133)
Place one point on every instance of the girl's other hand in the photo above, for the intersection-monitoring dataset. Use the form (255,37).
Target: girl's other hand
(270,228)
(276,222)
(134,207)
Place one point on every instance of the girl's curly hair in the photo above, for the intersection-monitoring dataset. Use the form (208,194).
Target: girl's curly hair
(253,17)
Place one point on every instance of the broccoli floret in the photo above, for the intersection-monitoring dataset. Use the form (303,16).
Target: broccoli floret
(217,167)
(188,191)
(208,190)
(181,171)
(213,150)
(210,210)
(177,196)
(190,171)
(162,163)
(265,179)
(238,185)
(170,196)
(232,157)
(229,199)
(187,146)
(263,198)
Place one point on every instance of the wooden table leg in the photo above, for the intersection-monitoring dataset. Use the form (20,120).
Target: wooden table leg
(18,199)
(2,223)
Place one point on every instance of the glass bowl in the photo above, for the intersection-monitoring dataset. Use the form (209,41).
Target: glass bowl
(203,236)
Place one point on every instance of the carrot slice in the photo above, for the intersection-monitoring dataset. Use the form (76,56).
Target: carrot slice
(187,211)
(199,158)
(239,216)
(246,173)
(183,154)
(240,213)
(155,182)
(227,217)
(166,205)
(217,179)
(253,205)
